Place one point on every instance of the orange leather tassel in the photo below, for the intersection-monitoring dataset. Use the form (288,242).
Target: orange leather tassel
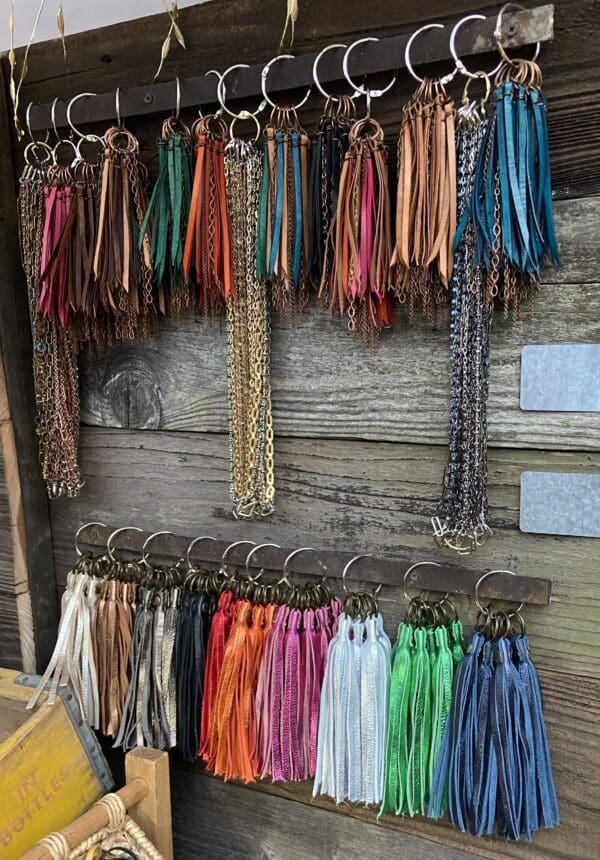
(207,252)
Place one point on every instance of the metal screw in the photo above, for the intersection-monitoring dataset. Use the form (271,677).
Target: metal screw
(511,28)
(148,98)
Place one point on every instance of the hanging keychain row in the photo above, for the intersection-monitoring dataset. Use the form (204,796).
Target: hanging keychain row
(267,678)
(223,232)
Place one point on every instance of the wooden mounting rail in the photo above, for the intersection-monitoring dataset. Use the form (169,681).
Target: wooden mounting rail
(146,796)
(446,577)
(385,55)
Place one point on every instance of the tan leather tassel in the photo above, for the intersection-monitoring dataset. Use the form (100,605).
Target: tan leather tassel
(426,201)
(124,274)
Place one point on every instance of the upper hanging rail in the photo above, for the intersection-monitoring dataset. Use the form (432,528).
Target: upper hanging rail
(445,577)
(520,28)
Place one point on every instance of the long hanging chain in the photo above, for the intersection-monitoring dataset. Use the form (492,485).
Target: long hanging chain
(249,343)
(55,350)
(462,514)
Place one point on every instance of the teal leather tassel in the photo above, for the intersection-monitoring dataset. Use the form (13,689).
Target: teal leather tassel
(166,219)
(511,203)
(442,671)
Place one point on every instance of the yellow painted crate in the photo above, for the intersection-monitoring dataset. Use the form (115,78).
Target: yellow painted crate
(51,766)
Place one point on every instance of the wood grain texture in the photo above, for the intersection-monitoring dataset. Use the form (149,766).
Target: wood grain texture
(326,385)
(367,497)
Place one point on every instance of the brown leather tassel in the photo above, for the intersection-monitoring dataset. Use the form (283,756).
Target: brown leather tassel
(112,632)
(122,271)
(207,256)
(426,201)
(358,284)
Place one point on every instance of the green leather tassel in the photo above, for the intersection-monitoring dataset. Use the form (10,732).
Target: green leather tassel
(166,219)
(420,725)
(397,746)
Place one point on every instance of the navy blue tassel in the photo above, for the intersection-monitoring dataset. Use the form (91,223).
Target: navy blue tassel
(455,761)
(485,766)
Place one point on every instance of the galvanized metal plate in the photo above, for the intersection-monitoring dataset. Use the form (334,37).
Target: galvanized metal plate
(560,503)
(561,378)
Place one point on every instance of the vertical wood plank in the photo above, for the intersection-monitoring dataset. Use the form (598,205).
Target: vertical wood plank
(152,812)
(15,343)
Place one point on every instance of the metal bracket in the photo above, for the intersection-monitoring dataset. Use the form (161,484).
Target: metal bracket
(87,737)
(455,579)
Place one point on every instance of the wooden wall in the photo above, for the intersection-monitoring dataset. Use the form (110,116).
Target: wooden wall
(360,440)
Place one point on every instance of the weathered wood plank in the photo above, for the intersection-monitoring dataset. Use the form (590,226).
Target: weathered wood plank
(326,384)
(10,642)
(368,497)
(239,825)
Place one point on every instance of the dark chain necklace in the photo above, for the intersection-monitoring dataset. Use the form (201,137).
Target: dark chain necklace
(461,523)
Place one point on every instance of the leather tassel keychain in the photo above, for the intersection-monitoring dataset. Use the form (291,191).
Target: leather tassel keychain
(426,195)
(494,766)
(198,605)
(207,257)
(233,740)
(290,678)
(113,630)
(249,342)
(329,145)
(122,256)
(283,225)
(166,218)
(512,197)
(428,649)
(73,660)
(354,704)
(358,284)
(149,717)
(55,347)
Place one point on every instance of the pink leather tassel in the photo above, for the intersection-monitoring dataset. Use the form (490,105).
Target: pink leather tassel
(277,687)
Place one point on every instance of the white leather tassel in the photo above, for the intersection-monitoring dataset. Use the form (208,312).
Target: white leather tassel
(72,661)
(352,723)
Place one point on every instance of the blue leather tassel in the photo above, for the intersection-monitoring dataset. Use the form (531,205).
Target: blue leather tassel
(485,769)
(547,803)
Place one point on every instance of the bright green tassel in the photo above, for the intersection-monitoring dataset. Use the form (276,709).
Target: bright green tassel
(420,725)
(394,789)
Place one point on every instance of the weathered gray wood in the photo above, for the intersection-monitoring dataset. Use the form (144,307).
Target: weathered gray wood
(326,384)
(236,823)
(572,717)
(368,497)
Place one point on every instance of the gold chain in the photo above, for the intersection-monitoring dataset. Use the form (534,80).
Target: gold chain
(249,344)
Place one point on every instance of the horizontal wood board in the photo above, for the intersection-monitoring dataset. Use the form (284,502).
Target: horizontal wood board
(325,384)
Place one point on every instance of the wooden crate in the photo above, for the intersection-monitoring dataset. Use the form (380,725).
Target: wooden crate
(51,766)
